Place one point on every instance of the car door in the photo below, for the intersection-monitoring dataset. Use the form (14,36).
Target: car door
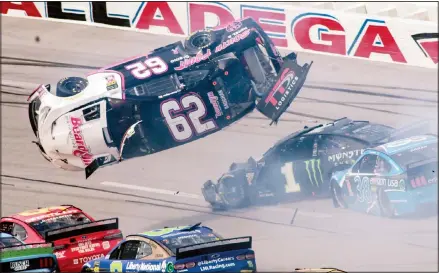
(358,181)
(298,169)
(136,255)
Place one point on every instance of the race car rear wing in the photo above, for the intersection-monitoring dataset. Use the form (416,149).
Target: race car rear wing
(214,247)
(81,229)
(276,101)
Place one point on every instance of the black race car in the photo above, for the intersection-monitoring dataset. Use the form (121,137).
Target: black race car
(171,96)
(301,164)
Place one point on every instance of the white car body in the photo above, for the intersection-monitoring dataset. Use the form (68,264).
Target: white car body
(71,142)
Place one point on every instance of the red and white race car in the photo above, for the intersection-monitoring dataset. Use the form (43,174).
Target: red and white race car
(76,236)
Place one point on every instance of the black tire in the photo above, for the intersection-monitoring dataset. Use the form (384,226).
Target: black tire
(386,208)
(234,192)
(199,40)
(71,86)
(337,196)
(33,116)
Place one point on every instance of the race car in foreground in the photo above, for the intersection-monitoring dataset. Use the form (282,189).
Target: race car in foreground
(192,248)
(76,236)
(171,96)
(15,256)
(301,164)
(395,179)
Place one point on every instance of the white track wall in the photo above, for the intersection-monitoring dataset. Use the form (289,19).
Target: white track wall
(298,28)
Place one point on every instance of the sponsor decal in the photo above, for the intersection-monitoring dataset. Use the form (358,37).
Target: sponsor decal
(387,182)
(80,147)
(175,51)
(249,177)
(288,79)
(178,234)
(216,261)
(223,99)
(87,259)
(194,60)
(217,266)
(233,26)
(432,180)
(345,157)
(314,172)
(105,245)
(85,247)
(250,264)
(111,82)
(20,265)
(231,41)
(50,215)
(214,101)
(60,254)
(150,267)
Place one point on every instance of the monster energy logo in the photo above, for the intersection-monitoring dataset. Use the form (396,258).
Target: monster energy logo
(314,172)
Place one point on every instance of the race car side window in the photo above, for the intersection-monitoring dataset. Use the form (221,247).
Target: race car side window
(367,164)
(128,250)
(382,166)
(20,232)
(300,148)
(144,250)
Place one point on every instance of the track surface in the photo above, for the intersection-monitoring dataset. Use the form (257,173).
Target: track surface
(320,236)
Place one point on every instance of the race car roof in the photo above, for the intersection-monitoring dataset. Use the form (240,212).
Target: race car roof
(168,232)
(398,146)
(41,213)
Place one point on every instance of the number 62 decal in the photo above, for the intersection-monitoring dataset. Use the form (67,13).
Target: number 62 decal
(182,126)
(145,69)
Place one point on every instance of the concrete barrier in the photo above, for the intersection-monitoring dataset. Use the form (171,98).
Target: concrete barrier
(297,28)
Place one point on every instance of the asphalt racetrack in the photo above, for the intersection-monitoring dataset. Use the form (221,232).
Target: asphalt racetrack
(164,189)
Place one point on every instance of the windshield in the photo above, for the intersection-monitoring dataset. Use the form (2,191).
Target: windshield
(61,221)
(423,152)
(9,241)
(191,239)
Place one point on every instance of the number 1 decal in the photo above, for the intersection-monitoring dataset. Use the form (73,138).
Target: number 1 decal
(145,69)
(291,184)
(182,126)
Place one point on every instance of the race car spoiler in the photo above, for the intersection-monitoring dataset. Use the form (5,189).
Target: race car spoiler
(80,229)
(26,250)
(214,247)
(286,87)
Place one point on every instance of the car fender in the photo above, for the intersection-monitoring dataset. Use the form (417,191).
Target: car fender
(339,177)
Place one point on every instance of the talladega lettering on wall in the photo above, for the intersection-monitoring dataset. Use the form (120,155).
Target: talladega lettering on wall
(391,40)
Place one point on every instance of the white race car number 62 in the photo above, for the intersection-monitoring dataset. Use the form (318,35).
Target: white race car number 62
(182,125)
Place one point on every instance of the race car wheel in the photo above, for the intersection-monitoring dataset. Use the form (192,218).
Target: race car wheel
(386,207)
(198,41)
(233,192)
(71,86)
(337,196)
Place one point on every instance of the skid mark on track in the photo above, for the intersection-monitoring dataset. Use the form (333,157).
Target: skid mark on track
(171,205)
(367,93)
(32,62)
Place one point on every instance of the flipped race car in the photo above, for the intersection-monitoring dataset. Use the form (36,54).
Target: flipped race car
(15,256)
(171,96)
(301,164)
(395,179)
(76,236)
(193,248)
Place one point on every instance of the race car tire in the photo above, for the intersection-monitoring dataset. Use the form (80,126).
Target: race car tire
(337,195)
(386,208)
(233,192)
(64,89)
(199,40)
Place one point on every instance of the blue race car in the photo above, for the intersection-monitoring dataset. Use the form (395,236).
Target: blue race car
(193,248)
(15,256)
(394,179)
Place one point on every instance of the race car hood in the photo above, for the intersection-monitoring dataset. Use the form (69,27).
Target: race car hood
(72,130)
